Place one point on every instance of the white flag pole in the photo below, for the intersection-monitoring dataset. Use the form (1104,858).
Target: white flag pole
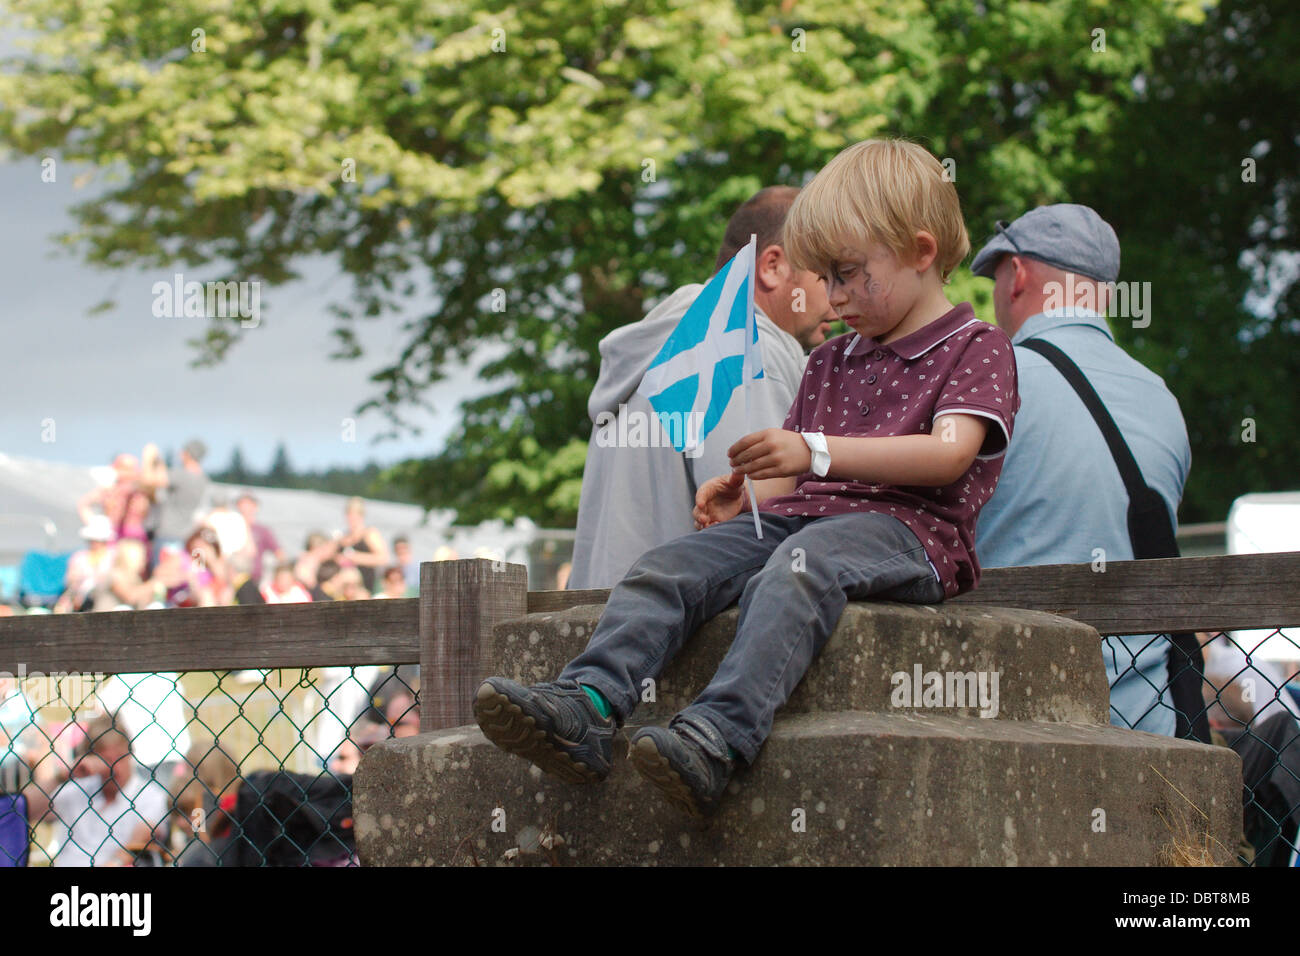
(747,367)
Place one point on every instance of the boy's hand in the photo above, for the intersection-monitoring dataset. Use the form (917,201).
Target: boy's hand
(771,453)
(719,499)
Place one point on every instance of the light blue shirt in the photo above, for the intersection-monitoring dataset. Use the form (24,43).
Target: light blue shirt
(1060,498)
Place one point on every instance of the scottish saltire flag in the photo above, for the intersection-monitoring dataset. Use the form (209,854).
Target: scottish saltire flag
(713,351)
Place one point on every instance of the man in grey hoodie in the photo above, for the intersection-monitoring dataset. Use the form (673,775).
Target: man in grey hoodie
(638,494)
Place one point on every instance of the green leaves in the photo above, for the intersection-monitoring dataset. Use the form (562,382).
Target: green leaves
(580,157)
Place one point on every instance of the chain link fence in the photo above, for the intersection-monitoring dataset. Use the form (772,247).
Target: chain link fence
(231,768)
(254,767)
(1249,701)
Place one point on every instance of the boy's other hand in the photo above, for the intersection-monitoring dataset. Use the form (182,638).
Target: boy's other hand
(771,453)
(719,499)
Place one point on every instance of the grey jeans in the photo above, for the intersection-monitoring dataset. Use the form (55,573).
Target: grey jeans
(792,586)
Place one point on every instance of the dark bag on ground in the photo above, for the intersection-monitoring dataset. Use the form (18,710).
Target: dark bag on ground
(293,819)
(1270,765)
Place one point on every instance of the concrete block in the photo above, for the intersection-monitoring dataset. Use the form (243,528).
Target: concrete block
(829,788)
(1049,668)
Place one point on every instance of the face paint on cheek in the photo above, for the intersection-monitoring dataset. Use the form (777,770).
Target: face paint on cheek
(878,295)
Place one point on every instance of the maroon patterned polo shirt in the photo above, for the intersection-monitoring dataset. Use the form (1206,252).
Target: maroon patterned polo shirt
(859,387)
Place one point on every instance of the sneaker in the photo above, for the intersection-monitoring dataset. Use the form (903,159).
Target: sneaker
(686,761)
(553,725)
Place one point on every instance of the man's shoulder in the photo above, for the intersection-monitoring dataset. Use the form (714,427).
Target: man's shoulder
(1093,354)
(782,352)
(1142,405)
(769,331)
(68,792)
(144,788)
(190,483)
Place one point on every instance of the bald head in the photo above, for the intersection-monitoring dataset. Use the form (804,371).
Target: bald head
(794,299)
(763,215)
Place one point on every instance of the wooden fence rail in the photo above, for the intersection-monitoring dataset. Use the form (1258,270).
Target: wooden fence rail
(214,638)
(1129,597)
(460,603)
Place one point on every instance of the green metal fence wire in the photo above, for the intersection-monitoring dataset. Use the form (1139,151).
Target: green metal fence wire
(1251,697)
(240,768)
(191,769)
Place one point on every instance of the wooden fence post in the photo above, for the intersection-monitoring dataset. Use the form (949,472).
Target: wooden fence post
(460,603)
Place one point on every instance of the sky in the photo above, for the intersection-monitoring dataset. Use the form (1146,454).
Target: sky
(113,381)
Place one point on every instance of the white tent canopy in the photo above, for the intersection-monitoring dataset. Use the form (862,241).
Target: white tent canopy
(38,511)
(1259,524)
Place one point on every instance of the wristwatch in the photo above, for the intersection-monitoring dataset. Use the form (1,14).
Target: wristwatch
(821,457)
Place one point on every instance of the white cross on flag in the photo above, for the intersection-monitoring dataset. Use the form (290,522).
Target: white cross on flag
(713,350)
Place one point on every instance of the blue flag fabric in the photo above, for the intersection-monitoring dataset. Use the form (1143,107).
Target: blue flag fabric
(713,351)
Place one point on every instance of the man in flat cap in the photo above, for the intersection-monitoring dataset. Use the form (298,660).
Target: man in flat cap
(1062,498)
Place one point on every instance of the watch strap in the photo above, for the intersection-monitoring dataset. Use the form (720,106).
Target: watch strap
(821,456)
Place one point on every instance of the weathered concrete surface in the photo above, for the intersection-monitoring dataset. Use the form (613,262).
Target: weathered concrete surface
(1049,668)
(847,777)
(870,789)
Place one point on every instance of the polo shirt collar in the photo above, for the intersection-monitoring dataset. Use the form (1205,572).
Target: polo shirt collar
(916,344)
(1045,321)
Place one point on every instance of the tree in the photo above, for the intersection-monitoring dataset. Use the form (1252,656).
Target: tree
(1200,179)
(540,172)
(236,472)
(280,474)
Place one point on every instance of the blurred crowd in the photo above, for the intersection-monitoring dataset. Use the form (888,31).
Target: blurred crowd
(156,538)
(97,804)
(161,536)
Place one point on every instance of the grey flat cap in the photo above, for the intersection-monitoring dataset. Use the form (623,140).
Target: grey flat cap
(1065,235)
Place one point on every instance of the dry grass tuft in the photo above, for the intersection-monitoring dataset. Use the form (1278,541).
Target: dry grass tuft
(1190,841)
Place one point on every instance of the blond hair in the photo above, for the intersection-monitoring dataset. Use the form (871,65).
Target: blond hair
(881,191)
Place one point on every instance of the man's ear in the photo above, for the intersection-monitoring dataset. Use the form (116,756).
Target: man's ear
(771,269)
(1019,276)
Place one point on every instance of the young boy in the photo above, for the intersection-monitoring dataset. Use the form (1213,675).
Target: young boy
(871,490)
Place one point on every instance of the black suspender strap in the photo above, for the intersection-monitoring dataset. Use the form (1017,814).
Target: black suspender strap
(1150,531)
(1119,449)
(1152,536)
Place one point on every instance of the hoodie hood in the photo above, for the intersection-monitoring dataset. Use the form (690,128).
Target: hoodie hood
(627,352)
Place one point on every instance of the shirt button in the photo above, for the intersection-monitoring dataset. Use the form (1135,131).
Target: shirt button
(879,354)
(865,409)
(871,379)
